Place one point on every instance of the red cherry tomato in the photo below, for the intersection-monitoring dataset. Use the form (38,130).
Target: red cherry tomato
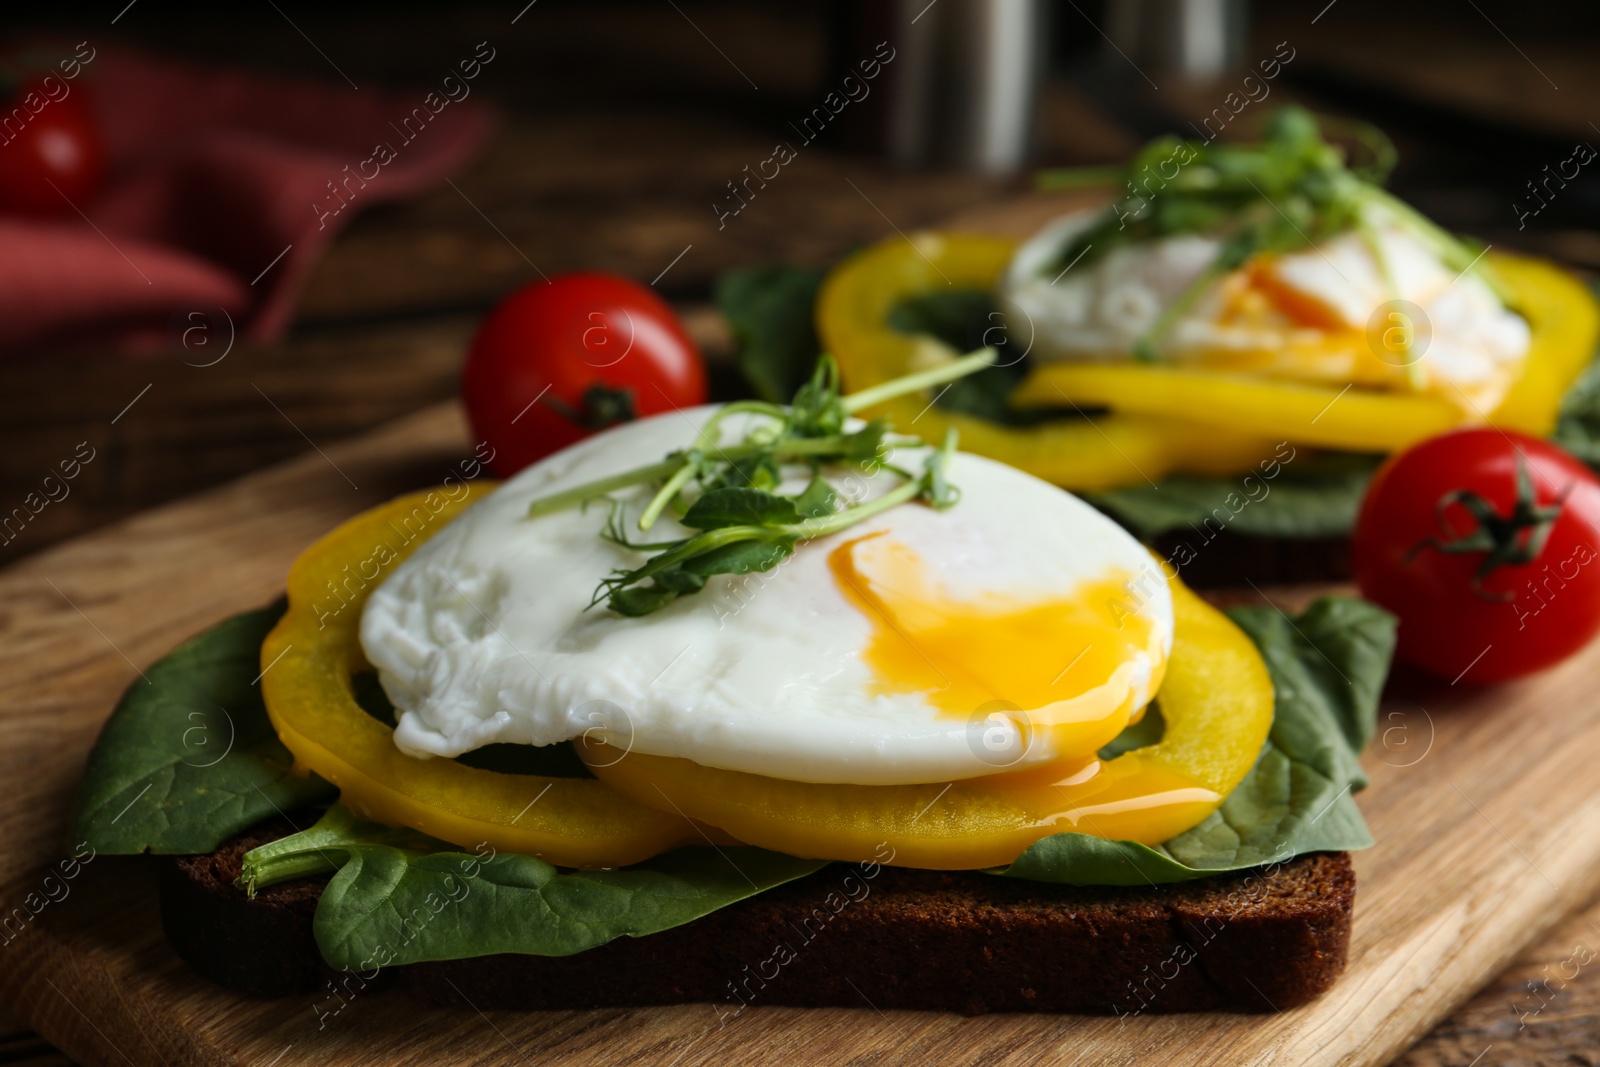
(1486,544)
(555,361)
(57,158)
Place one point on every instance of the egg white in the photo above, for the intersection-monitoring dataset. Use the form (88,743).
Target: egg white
(485,635)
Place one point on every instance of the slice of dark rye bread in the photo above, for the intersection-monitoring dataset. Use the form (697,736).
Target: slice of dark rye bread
(966,942)
(1226,560)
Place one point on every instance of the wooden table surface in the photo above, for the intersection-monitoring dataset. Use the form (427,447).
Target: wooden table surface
(620,124)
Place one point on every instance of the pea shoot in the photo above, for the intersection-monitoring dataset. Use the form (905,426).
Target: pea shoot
(728,493)
(1285,193)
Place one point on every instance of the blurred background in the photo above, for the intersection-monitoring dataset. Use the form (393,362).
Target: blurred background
(153,325)
(229,296)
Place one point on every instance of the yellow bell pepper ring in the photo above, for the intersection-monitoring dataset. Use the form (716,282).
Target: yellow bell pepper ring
(1563,323)
(1103,452)
(1217,700)
(307,662)
(1357,421)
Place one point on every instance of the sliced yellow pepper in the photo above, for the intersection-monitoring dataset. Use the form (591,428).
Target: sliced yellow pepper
(1103,452)
(307,662)
(1561,315)
(1217,699)
(1165,419)
(1565,322)
(1359,421)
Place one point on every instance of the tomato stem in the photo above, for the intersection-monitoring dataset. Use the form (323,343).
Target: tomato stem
(1514,539)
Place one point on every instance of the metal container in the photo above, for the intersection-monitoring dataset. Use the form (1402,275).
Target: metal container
(1192,41)
(966,89)
(961,89)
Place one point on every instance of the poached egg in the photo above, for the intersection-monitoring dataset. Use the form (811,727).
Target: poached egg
(1018,627)
(1377,310)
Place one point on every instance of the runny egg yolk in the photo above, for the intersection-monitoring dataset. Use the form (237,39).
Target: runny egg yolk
(1069,672)
(1217,699)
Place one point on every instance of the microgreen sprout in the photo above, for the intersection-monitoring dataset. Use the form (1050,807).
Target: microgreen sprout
(1289,191)
(729,493)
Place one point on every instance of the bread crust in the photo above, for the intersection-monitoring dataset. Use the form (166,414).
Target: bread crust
(967,942)
(1209,557)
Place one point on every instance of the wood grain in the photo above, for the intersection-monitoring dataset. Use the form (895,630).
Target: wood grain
(365,356)
(1543,1011)
(1527,66)
(613,148)
(1483,805)
(162,429)
(388,315)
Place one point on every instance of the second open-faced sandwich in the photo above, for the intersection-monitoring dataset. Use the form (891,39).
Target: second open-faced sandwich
(1232,343)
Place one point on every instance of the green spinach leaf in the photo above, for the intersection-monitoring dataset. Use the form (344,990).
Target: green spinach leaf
(1328,667)
(965,319)
(189,758)
(1310,497)
(1578,426)
(770,309)
(400,898)
(1147,731)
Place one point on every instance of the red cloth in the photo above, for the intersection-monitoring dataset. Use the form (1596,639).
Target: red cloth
(211,175)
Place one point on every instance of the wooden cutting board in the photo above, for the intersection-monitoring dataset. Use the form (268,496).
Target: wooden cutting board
(1484,804)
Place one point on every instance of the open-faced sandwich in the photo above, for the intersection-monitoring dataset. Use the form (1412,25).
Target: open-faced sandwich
(755,704)
(1227,348)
